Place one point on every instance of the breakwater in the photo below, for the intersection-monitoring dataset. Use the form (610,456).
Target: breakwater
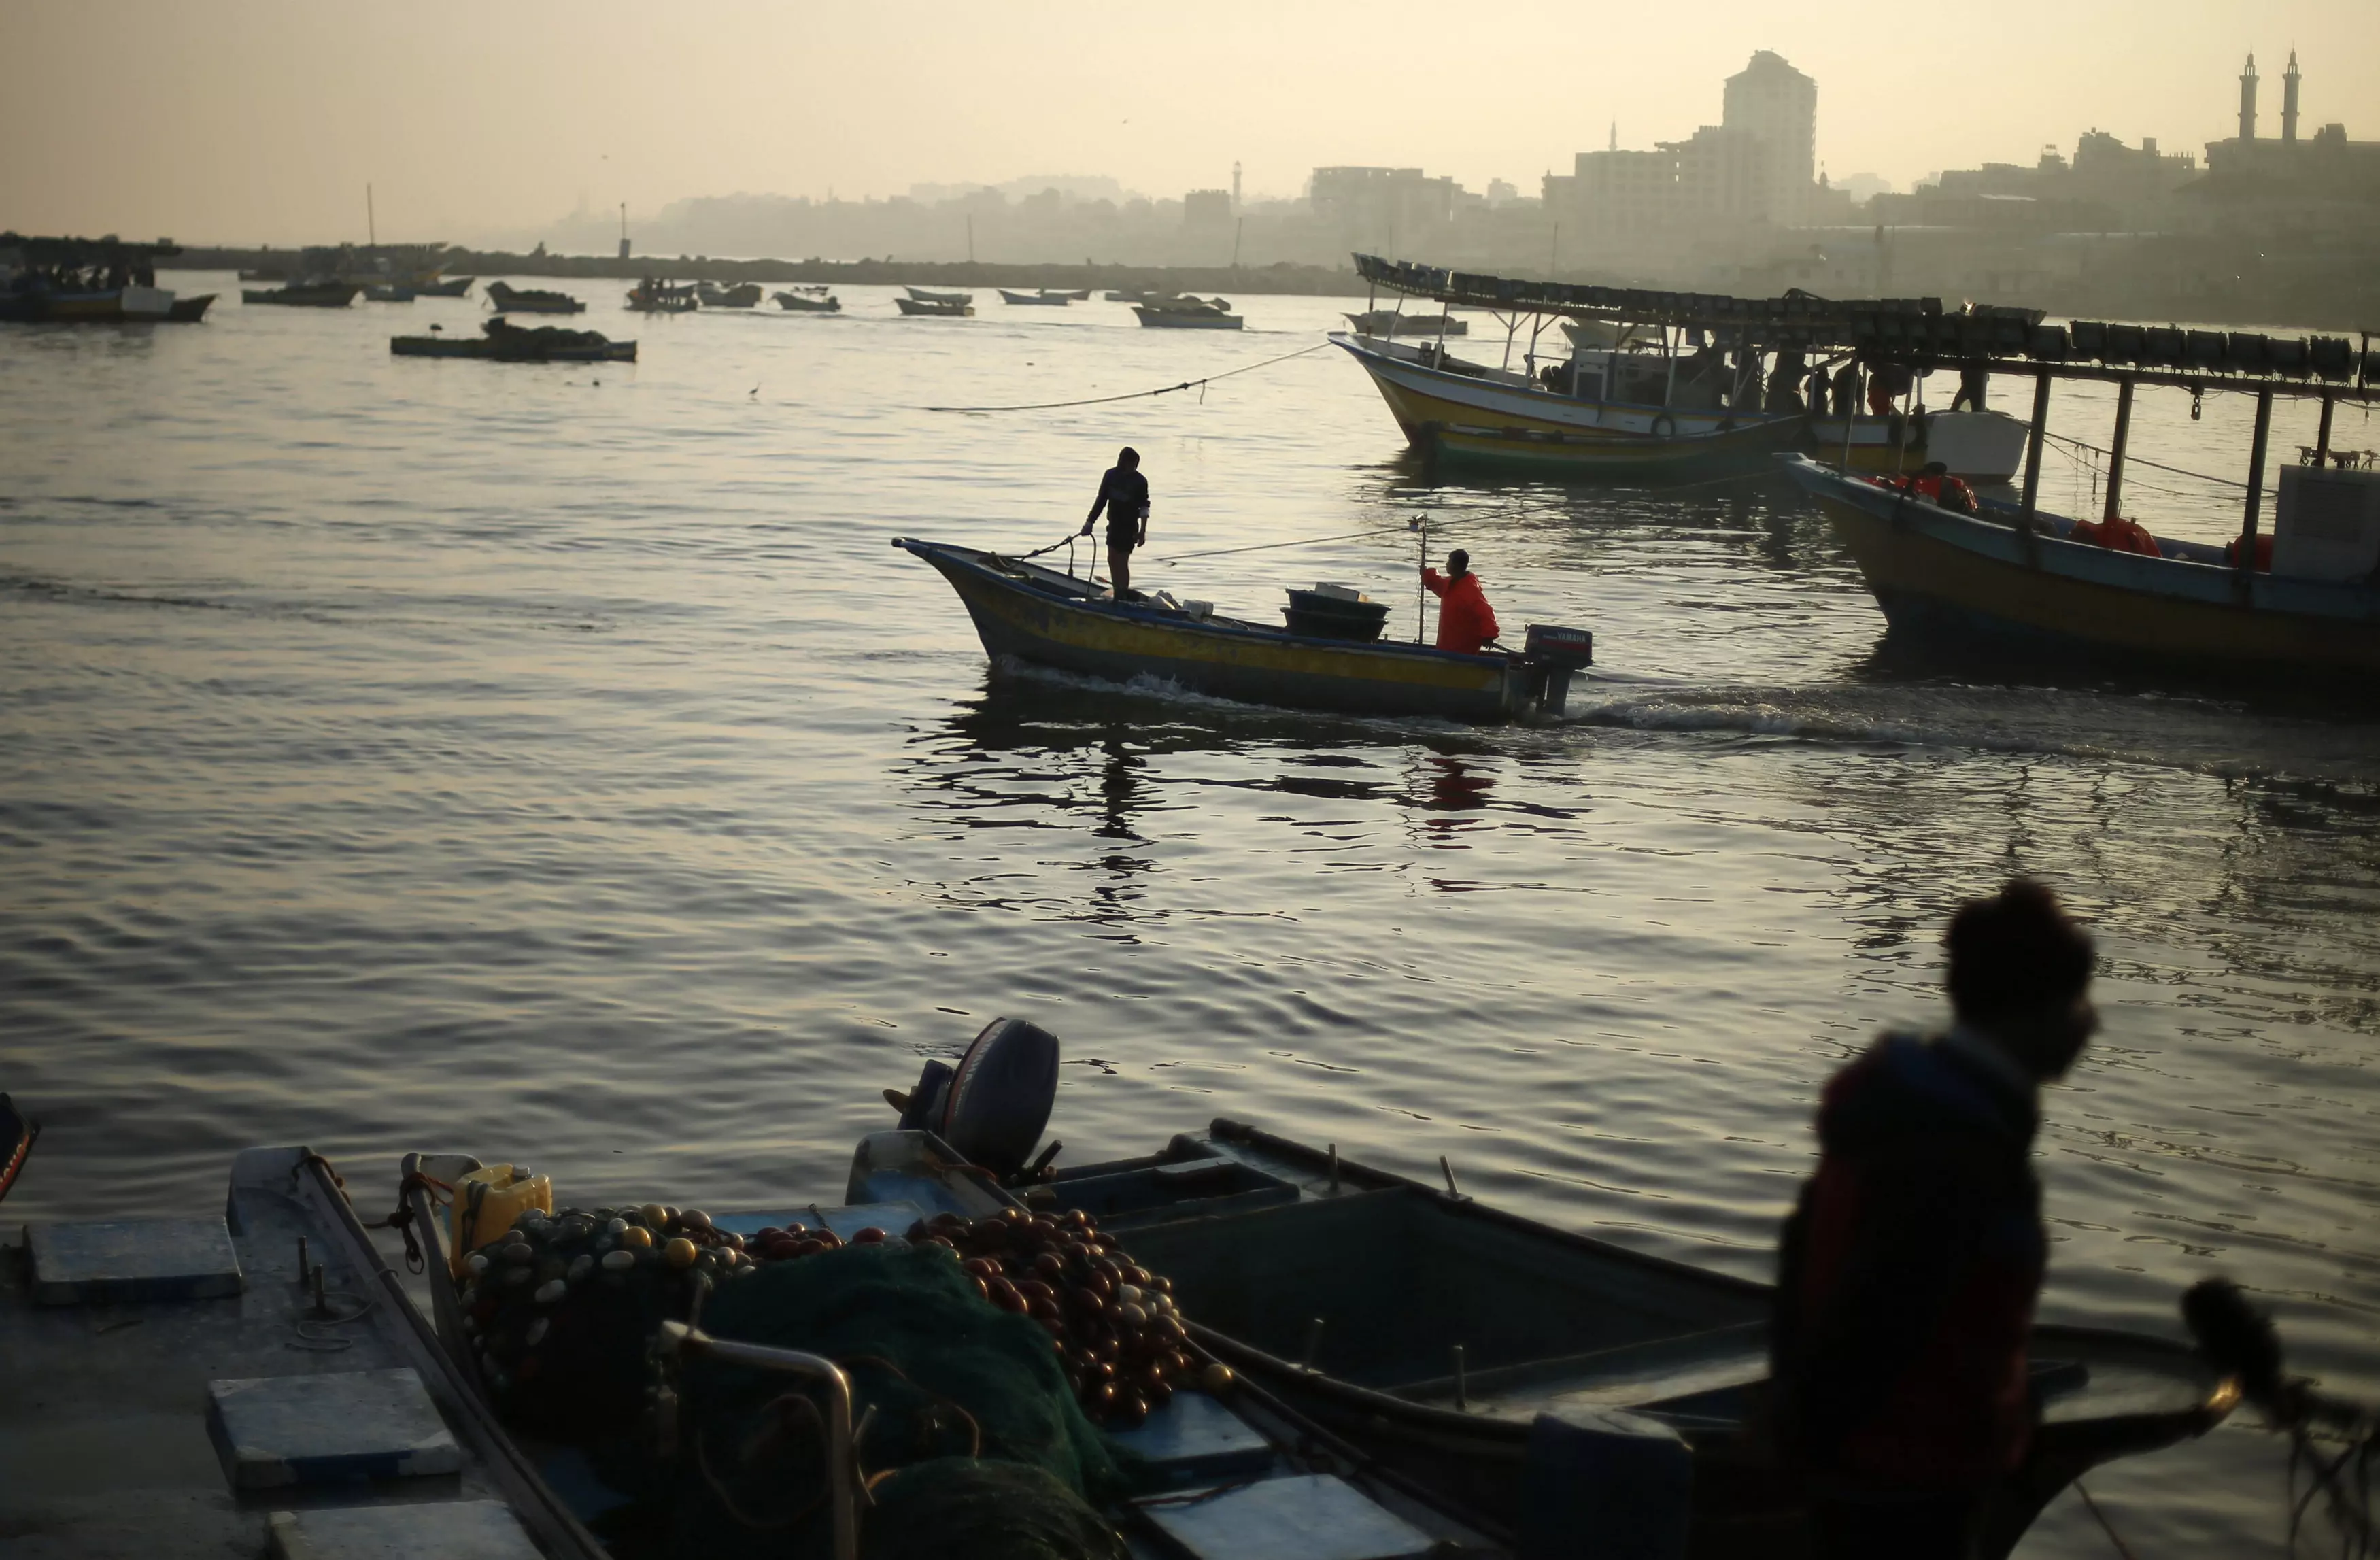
(1314,281)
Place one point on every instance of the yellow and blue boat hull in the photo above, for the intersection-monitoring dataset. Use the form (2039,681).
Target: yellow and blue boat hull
(1037,616)
(1967,582)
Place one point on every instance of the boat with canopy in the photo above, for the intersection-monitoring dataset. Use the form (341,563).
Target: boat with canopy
(1648,381)
(2303,601)
(90,281)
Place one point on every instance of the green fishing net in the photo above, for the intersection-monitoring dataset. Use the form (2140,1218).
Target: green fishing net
(972,1437)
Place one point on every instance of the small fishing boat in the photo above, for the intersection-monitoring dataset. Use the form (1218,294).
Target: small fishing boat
(1976,447)
(39,303)
(189,311)
(1044,298)
(956,306)
(389,292)
(1984,583)
(743,295)
(262,273)
(1130,295)
(509,299)
(1187,314)
(449,287)
(1433,1332)
(923,295)
(808,303)
(653,296)
(504,342)
(304,295)
(1027,614)
(1390,321)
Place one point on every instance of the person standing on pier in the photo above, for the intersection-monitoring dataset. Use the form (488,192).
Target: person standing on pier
(1465,622)
(1124,494)
(1910,1267)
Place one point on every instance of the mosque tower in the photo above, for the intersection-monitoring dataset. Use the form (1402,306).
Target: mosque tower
(2248,100)
(2289,99)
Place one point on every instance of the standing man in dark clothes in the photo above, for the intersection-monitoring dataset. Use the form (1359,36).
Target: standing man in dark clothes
(1910,1267)
(1124,494)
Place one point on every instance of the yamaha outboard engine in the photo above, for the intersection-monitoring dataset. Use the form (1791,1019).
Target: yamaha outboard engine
(992,1106)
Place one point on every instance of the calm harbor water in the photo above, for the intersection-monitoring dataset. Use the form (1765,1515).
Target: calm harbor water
(557,763)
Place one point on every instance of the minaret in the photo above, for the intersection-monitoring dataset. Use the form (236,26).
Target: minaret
(2289,99)
(2248,100)
(1615,135)
(1235,173)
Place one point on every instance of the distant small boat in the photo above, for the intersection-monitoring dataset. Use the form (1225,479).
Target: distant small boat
(1388,321)
(818,289)
(653,297)
(1188,314)
(743,295)
(304,295)
(508,343)
(957,306)
(388,292)
(922,295)
(451,286)
(1129,295)
(797,303)
(510,299)
(262,273)
(1045,297)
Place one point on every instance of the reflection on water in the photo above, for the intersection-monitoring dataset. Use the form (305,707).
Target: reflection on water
(402,754)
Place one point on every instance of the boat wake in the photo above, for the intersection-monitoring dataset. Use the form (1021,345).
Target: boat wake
(2222,741)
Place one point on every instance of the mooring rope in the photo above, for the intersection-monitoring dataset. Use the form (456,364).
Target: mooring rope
(1267,546)
(1137,395)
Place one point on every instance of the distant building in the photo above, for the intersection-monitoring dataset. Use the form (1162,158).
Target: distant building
(1376,207)
(1778,106)
(1757,165)
(2325,169)
(1207,208)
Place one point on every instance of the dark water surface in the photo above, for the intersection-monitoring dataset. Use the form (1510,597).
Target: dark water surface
(556,764)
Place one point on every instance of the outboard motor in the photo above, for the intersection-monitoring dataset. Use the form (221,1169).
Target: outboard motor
(992,1106)
(1556,653)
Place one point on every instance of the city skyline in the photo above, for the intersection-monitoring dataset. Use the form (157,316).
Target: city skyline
(262,122)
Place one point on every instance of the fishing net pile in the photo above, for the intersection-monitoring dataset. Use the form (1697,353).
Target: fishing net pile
(982,1357)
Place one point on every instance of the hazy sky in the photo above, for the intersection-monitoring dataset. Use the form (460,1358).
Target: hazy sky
(212,120)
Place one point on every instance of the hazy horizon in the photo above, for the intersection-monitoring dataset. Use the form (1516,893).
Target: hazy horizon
(262,122)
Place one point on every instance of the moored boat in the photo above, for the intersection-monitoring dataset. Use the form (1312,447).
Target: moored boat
(1982,584)
(1284,1258)
(922,295)
(1045,297)
(100,281)
(504,342)
(448,286)
(1978,447)
(810,304)
(743,295)
(304,295)
(1391,322)
(950,306)
(655,295)
(1188,314)
(509,299)
(1024,613)
(389,292)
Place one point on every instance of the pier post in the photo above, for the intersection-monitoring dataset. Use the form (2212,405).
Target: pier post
(2255,487)
(2116,449)
(2322,436)
(2040,436)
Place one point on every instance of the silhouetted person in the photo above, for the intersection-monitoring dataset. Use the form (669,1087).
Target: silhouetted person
(1975,384)
(1846,393)
(1465,621)
(1124,494)
(1910,1267)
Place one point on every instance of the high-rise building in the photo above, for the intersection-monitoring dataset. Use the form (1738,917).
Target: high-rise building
(1772,101)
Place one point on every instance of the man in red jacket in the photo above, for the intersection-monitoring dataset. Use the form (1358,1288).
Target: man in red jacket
(1908,1270)
(1465,621)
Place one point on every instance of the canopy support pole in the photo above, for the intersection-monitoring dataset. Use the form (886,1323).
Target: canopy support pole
(2039,436)
(2116,449)
(2322,436)
(2255,487)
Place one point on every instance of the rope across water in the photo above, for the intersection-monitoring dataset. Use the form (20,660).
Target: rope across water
(1139,394)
